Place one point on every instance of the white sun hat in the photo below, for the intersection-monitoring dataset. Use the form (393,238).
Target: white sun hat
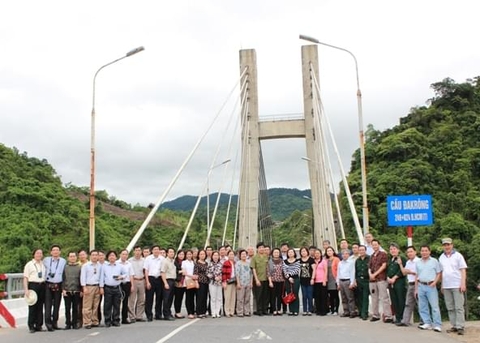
(32,298)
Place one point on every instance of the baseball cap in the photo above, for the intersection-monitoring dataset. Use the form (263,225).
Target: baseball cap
(446,241)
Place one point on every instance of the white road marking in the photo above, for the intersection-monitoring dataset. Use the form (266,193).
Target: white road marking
(177,330)
(256,335)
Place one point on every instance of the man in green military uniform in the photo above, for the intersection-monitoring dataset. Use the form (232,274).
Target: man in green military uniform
(396,281)
(362,281)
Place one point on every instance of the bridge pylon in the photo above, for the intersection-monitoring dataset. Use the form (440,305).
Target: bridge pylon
(255,130)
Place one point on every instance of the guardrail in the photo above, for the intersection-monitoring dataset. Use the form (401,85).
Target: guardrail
(13,286)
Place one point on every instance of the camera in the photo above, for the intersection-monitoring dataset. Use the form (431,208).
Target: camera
(39,274)
(51,275)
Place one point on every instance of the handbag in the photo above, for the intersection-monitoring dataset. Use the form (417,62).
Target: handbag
(290,297)
(191,284)
(231,281)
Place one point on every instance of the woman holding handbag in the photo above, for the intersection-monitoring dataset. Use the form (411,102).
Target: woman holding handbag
(291,270)
(190,283)
(276,281)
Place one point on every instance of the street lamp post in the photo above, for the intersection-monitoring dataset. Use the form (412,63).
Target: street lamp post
(361,133)
(92,150)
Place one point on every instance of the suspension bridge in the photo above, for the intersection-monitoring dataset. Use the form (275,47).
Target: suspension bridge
(239,153)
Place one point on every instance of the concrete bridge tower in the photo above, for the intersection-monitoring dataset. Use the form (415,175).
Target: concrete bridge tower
(254,131)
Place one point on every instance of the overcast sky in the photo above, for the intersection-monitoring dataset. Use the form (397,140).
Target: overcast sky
(153,107)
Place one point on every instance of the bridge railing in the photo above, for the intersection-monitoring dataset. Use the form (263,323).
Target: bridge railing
(281,117)
(12,285)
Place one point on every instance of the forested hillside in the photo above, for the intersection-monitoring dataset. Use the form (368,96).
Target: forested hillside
(434,150)
(36,210)
(283,202)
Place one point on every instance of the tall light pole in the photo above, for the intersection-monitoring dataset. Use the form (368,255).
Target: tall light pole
(92,149)
(361,134)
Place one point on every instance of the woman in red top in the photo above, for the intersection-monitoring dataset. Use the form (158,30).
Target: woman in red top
(229,283)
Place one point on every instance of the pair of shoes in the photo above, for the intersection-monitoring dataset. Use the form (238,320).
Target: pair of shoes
(461,331)
(139,319)
(49,328)
(425,326)
(295,314)
(247,314)
(149,319)
(309,313)
(239,315)
(452,329)
(344,314)
(40,329)
(374,319)
(169,318)
(32,330)
(401,324)
(290,313)
(68,327)
(364,318)
(88,327)
(179,316)
(389,320)
(353,315)
(116,324)
(191,316)
(335,313)
(304,313)
(126,322)
(437,329)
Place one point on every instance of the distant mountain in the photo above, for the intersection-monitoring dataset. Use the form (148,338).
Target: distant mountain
(283,201)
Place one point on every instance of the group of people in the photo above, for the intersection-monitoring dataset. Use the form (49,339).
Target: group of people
(147,285)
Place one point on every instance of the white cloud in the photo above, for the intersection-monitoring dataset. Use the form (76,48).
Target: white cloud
(153,107)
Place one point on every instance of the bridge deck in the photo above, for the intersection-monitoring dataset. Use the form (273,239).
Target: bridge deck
(279,329)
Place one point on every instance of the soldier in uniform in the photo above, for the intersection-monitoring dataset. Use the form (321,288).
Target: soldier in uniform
(362,281)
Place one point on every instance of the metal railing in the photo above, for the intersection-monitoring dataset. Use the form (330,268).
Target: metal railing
(12,286)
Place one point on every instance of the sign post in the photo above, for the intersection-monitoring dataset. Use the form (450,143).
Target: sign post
(409,211)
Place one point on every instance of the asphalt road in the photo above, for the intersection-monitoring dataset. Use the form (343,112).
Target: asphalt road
(274,329)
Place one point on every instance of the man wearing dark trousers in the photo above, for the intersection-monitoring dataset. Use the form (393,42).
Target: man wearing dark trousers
(152,266)
(362,281)
(111,276)
(71,291)
(126,284)
(54,266)
(396,282)
(260,281)
(34,281)
(168,274)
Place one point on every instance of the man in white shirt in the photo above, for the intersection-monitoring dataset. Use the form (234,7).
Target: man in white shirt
(346,282)
(454,276)
(127,284)
(410,270)
(154,285)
